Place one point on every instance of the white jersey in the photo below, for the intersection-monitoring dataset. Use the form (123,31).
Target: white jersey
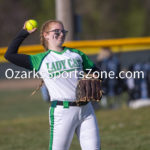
(60,71)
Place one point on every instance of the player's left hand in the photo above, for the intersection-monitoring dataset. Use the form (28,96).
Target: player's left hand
(89,89)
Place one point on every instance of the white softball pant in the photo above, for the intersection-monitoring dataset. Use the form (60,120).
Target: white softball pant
(64,122)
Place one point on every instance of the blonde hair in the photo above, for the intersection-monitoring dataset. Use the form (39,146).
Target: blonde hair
(45,28)
(38,87)
(43,41)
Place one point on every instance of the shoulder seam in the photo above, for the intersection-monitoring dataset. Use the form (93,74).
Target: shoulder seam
(42,61)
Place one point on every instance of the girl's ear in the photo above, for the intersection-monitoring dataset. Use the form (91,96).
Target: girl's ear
(45,35)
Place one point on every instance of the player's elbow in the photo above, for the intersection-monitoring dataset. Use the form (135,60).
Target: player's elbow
(7,56)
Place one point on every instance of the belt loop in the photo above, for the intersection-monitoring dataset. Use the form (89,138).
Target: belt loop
(66,104)
(54,103)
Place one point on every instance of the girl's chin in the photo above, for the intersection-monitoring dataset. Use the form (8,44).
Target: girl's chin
(60,41)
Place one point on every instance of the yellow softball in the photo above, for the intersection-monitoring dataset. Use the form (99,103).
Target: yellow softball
(31,24)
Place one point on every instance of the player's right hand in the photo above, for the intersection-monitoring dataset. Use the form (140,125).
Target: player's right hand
(31,31)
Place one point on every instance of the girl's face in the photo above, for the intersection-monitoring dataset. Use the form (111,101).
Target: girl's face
(55,34)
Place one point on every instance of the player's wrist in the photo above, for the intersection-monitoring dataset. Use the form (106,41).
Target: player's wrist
(23,33)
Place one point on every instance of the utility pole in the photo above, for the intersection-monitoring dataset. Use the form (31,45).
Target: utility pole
(64,13)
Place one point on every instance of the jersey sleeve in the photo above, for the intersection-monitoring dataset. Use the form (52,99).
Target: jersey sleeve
(36,60)
(87,63)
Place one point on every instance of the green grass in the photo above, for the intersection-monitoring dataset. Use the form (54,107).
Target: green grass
(24,125)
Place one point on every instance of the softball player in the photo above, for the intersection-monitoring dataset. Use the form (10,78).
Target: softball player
(65,117)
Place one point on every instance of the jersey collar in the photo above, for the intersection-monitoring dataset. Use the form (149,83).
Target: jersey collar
(64,50)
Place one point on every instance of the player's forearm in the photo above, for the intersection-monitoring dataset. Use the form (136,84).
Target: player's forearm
(12,55)
(97,69)
(16,42)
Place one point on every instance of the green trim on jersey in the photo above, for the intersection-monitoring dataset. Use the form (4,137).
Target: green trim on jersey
(51,127)
(36,60)
(87,63)
(63,51)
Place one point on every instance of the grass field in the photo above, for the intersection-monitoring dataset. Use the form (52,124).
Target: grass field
(24,125)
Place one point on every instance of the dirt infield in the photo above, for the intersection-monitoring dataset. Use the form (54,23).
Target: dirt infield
(18,84)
